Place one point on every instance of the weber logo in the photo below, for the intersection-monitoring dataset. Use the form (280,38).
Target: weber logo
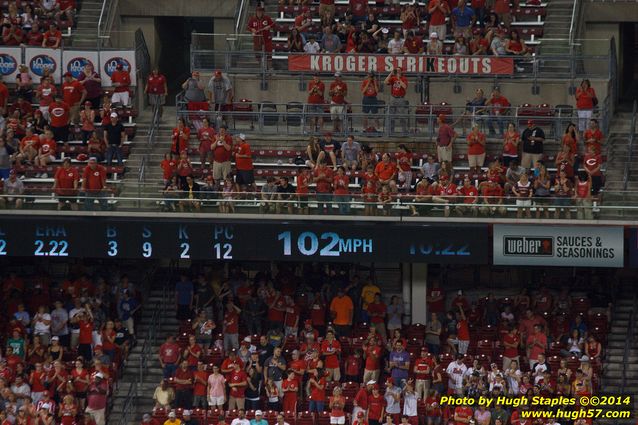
(542,246)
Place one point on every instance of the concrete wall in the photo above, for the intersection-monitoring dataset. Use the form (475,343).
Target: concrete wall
(622,11)
(208,8)
(283,90)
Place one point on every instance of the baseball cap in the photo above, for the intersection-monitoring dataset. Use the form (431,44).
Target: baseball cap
(260,8)
(247,339)
(242,136)
(434,35)
(385,30)
(146,417)
(360,414)
(444,177)
(171,415)
(389,380)
(88,103)
(308,322)
(218,73)
(53,338)
(92,159)
(99,375)
(119,66)
(97,347)
(259,413)
(12,172)
(46,405)
(371,382)
(337,74)
(113,114)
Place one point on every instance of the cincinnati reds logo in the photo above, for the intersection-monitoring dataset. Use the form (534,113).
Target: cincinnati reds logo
(57,112)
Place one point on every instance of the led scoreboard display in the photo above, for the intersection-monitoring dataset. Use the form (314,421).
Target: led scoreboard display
(98,237)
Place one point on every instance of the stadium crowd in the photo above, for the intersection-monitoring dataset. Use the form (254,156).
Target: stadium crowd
(63,345)
(36,23)
(457,170)
(327,349)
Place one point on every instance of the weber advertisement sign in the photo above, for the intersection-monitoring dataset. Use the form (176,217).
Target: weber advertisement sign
(573,246)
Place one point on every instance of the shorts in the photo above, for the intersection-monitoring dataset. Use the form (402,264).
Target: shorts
(221,170)
(314,108)
(120,97)
(156,99)
(337,420)
(216,401)
(336,111)
(523,202)
(370,105)
(245,177)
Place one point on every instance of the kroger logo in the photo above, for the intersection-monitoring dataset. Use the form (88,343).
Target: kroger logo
(40,63)
(111,65)
(8,64)
(76,65)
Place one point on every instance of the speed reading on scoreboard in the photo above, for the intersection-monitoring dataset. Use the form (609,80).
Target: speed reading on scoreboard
(102,237)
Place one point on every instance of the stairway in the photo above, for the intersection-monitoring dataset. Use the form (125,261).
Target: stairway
(555,41)
(617,156)
(153,371)
(613,367)
(85,34)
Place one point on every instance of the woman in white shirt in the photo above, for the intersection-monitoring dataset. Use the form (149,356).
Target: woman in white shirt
(42,325)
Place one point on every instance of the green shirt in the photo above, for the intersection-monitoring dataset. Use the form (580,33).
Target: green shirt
(17,345)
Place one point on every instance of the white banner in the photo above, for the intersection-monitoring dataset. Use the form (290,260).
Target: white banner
(572,246)
(10,60)
(109,59)
(75,60)
(39,59)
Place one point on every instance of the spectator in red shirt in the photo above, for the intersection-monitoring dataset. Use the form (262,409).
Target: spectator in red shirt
(244,164)
(121,80)
(592,162)
(12,35)
(237,383)
(370,91)
(46,151)
(260,25)
(469,194)
(593,136)
(156,88)
(45,93)
(341,184)
(327,11)
(376,406)
(399,105)
(413,44)
(497,105)
(476,149)
(94,185)
(492,194)
(331,351)
(59,112)
(183,380)
(231,326)
(73,93)
(323,176)
(304,178)
(586,100)
(386,170)
(445,140)
(358,9)
(65,185)
(338,92)
(52,37)
(316,89)
(438,10)
(34,37)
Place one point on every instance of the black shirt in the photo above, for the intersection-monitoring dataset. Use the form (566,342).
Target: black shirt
(114,133)
(288,189)
(537,147)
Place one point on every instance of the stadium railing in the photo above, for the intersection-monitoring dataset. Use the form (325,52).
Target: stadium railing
(294,118)
(630,149)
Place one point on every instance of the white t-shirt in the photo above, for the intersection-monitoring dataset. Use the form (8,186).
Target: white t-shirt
(48,4)
(312,47)
(40,327)
(409,404)
(59,316)
(238,421)
(395,47)
(455,372)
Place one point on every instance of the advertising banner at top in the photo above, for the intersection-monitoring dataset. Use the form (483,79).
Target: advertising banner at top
(572,246)
(411,64)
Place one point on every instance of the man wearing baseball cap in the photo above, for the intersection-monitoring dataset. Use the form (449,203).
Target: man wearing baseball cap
(259,419)
(492,193)
(121,80)
(94,184)
(96,398)
(13,188)
(338,92)
(260,26)
(399,104)
(115,136)
(219,91)
(149,420)
(73,93)
(244,165)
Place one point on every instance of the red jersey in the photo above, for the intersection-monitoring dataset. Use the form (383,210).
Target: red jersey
(94,178)
(72,92)
(292,316)
(584,98)
(373,357)
(338,90)
(511,339)
(476,144)
(370,88)
(231,322)
(464,412)
(65,179)
(423,368)
(47,147)
(331,350)
(404,160)
(396,90)
(377,309)
(260,24)
(60,114)
(316,91)
(169,167)
(220,153)
(86,332)
(591,162)
(169,352)
(80,374)
(359,7)
(123,78)
(469,194)
(303,183)
(156,84)
(375,407)
(385,171)
(437,17)
(595,135)
(352,366)
(361,398)
(318,314)
(34,38)
(36,379)
(323,177)
(45,94)
(244,164)
(52,37)
(192,358)
(184,375)
(318,394)
(237,378)
(340,184)
(463,330)
(199,388)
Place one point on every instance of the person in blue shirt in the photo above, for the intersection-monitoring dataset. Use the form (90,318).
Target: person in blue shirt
(462,20)
(126,309)
(259,419)
(184,295)
(399,362)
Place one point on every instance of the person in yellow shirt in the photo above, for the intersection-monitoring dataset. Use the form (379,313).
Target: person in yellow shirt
(367,297)
(172,420)
(341,311)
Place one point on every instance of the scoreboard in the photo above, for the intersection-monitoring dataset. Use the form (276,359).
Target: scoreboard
(227,240)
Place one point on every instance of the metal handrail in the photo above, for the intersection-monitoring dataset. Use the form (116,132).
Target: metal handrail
(574,23)
(107,16)
(129,404)
(629,337)
(630,148)
(239,16)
